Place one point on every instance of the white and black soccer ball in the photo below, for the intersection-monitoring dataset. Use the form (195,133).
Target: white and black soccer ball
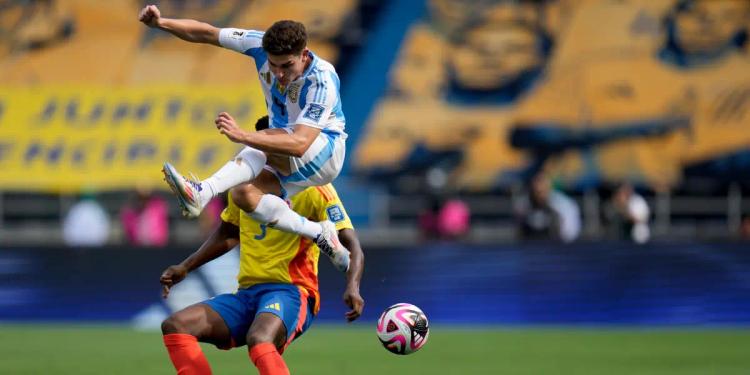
(403,328)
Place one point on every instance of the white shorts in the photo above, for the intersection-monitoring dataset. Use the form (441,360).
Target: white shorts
(320,165)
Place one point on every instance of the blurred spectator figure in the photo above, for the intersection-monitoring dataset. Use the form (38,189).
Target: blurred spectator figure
(86,223)
(453,219)
(428,218)
(145,220)
(629,214)
(545,213)
(745,228)
(444,218)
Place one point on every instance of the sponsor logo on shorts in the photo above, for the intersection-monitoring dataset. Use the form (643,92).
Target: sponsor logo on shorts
(274,306)
(314,112)
(237,34)
(335,213)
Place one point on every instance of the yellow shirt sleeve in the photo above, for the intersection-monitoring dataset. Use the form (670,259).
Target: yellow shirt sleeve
(333,209)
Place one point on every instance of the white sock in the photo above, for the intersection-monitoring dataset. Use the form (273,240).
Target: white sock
(275,212)
(245,167)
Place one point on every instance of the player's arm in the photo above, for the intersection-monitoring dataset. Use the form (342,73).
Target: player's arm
(276,141)
(321,98)
(185,29)
(352,298)
(223,239)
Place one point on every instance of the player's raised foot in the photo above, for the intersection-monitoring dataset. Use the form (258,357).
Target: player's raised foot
(329,244)
(187,191)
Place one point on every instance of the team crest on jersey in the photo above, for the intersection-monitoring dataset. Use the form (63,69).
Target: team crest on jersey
(314,112)
(280,88)
(335,213)
(293,93)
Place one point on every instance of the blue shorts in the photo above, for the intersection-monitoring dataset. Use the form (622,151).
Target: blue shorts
(239,309)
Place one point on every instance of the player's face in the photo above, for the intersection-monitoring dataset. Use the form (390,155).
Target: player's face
(287,68)
(708,24)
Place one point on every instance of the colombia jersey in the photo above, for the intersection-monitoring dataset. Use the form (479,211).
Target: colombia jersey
(270,255)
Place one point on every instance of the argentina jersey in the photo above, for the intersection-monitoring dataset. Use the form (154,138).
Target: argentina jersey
(313,99)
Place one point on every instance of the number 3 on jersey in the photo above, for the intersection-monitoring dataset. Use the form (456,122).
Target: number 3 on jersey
(262,234)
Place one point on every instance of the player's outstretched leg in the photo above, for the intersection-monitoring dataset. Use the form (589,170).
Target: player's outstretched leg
(187,190)
(272,210)
(193,194)
(329,244)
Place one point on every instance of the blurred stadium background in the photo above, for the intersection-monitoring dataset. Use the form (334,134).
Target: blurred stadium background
(560,185)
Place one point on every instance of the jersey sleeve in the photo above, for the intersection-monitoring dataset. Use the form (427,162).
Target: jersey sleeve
(321,98)
(247,42)
(330,207)
(231,213)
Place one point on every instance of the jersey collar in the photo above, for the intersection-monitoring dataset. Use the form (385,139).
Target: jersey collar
(312,64)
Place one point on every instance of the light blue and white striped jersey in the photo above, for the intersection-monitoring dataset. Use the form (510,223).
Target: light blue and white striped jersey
(313,99)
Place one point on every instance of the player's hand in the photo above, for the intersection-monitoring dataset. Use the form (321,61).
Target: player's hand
(355,303)
(227,126)
(150,15)
(171,276)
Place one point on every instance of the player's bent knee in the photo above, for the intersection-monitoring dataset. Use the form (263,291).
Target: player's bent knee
(254,158)
(172,325)
(255,338)
(246,197)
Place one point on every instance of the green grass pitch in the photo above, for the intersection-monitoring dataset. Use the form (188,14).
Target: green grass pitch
(329,350)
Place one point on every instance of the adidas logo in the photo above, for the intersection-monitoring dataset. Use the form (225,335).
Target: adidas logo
(196,185)
(274,306)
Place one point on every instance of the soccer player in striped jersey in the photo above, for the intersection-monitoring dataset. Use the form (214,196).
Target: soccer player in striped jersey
(304,146)
(278,294)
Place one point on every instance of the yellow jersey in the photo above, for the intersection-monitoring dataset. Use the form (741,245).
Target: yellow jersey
(270,255)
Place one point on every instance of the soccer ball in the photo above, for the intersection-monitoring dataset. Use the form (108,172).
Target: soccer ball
(403,328)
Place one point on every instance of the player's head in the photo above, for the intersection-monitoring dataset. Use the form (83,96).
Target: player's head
(285,42)
(262,123)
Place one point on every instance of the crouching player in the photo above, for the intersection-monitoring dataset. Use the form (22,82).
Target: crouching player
(278,294)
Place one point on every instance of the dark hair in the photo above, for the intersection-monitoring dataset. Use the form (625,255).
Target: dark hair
(262,123)
(285,38)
